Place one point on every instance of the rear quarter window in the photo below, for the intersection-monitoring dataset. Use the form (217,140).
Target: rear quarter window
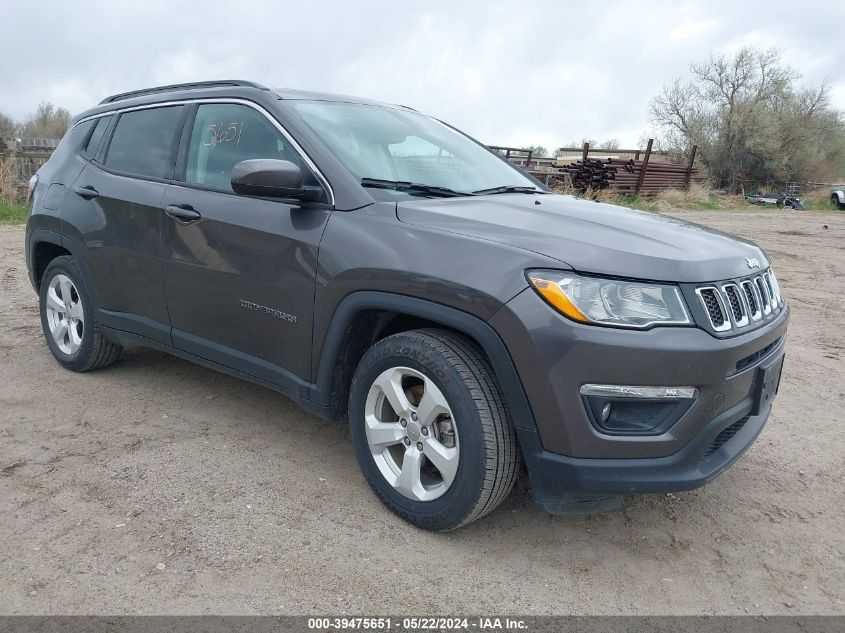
(144,142)
(71,141)
(100,127)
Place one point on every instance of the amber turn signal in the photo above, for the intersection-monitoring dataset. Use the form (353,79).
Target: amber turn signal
(552,292)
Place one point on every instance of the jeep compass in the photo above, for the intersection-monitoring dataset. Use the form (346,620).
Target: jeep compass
(378,266)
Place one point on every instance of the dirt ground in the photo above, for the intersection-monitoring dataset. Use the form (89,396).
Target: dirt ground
(156,486)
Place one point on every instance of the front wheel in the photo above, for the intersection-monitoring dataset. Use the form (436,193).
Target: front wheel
(431,430)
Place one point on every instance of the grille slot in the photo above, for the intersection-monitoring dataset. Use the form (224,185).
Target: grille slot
(712,302)
(765,297)
(753,358)
(753,302)
(770,287)
(776,287)
(725,436)
(735,302)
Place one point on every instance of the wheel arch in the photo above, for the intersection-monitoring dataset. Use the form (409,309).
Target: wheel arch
(838,194)
(45,246)
(365,317)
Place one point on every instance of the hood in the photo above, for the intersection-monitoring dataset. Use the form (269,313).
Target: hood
(591,237)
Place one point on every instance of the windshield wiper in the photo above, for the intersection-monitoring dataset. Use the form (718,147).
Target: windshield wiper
(508,189)
(412,187)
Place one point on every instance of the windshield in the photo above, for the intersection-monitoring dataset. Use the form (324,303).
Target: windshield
(393,144)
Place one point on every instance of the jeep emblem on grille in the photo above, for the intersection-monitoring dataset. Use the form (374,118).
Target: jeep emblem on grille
(752,262)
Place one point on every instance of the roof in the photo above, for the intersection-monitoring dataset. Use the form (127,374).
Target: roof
(217,88)
(293,94)
(196,85)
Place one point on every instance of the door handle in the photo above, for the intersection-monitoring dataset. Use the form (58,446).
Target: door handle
(182,213)
(88,192)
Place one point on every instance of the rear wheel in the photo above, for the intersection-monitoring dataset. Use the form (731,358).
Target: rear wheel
(431,430)
(67,318)
(834,200)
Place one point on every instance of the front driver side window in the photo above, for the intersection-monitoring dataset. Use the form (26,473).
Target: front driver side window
(225,134)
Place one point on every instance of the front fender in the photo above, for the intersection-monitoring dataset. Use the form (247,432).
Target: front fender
(477,329)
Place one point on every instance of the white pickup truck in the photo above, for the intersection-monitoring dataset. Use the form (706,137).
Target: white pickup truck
(837,197)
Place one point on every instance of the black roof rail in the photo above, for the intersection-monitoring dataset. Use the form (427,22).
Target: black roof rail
(188,86)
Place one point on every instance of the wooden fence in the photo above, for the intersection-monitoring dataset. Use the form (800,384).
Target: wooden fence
(27,155)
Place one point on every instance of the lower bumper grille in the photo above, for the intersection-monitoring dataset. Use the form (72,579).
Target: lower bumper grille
(725,436)
(753,358)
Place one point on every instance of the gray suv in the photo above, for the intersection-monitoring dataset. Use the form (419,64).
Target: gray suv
(378,266)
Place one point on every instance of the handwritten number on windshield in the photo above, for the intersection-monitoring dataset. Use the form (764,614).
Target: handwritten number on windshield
(217,133)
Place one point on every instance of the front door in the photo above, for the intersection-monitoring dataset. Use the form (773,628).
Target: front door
(240,274)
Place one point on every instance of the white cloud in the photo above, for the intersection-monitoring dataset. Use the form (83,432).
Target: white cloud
(837,95)
(691,29)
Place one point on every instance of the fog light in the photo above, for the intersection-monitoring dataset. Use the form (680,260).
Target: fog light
(636,410)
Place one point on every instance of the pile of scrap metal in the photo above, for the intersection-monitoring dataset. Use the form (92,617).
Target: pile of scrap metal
(631,176)
(780,200)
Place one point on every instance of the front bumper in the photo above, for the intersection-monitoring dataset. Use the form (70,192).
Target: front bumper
(563,449)
(715,448)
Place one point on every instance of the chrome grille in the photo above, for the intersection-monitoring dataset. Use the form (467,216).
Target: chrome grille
(715,306)
(741,303)
(752,299)
(764,295)
(775,286)
(737,305)
(767,279)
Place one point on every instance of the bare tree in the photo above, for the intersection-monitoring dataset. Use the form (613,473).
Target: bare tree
(47,121)
(537,151)
(593,142)
(8,127)
(611,143)
(749,118)
(608,144)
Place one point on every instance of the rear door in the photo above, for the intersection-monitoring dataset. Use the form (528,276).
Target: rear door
(240,275)
(117,218)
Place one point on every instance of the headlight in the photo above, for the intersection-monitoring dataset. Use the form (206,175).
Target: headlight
(630,304)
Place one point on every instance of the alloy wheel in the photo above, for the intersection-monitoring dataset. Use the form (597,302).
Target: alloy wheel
(411,433)
(65,315)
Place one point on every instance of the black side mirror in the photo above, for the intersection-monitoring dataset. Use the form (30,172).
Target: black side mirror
(272,178)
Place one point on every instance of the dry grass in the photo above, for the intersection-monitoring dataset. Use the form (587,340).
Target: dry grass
(565,188)
(12,209)
(9,190)
(700,197)
(697,197)
(817,198)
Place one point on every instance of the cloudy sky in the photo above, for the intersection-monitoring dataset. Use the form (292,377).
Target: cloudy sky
(509,73)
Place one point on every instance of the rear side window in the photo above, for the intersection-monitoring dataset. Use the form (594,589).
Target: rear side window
(96,137)
(144,142)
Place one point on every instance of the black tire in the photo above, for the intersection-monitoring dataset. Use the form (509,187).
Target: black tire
(488,451)
(834,200)
(95,350)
